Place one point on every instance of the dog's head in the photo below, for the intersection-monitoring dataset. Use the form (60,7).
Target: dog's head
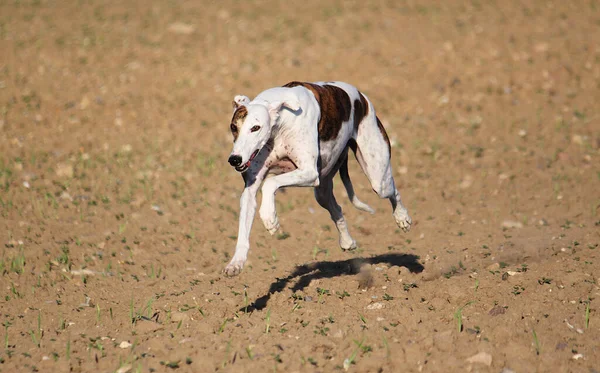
(251,127)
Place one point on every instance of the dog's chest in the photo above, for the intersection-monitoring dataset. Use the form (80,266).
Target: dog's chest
(282,166)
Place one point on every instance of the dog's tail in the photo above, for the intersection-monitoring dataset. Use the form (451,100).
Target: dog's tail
(350,190)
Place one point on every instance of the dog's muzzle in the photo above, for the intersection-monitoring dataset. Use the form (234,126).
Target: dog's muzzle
(236,162)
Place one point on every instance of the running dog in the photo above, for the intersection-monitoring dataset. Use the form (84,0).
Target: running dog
(301,133)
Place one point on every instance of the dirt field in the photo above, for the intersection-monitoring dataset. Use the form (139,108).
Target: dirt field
(119,210)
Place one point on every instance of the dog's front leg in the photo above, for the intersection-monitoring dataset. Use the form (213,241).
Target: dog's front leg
(247,212)
(308,177)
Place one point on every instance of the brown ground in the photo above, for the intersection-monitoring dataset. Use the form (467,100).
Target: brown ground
(118,204)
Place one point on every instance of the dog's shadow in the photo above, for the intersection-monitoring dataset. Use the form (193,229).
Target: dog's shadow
(326,269)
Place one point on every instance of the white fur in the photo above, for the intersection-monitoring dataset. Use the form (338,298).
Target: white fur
(289,138)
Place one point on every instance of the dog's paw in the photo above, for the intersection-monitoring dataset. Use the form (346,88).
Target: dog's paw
(234,268)
(272,225)
(403,219)
(270,221)
(348,244)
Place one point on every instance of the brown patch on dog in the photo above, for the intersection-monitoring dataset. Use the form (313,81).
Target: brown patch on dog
(384,134)
(236,121)
(361,109)
(335,107)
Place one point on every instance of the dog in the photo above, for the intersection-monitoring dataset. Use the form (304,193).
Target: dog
(301,133)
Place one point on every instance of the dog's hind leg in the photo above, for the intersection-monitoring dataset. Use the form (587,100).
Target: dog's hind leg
(350,189)
(372,150)
(325,198)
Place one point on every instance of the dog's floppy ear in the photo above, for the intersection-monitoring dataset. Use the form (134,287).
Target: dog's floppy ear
(239,100)
(275,106)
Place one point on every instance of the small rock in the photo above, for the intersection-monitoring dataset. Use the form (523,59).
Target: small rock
(466,182)
(375,306)
(481,358)
(339,334)
(45,358)
(493,267)
(124,369)
(561,346)
(181,28)
(66,196)
(541,47)
(133,65)
(85,102)
(512,224)
(26,184)
(82,272)
(443,100)
(124,344)
(64,170)
(179,316)
(522,133)
(577,139)
(497,310)
(577,356)
(507,370)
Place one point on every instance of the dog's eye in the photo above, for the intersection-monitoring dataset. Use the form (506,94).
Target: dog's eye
(233,127)
(254,129)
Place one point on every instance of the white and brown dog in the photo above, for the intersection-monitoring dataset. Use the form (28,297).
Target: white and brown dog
(301,132)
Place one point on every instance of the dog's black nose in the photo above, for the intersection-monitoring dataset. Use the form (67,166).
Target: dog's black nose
(235,160)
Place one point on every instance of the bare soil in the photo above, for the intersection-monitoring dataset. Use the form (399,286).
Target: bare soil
(119,210)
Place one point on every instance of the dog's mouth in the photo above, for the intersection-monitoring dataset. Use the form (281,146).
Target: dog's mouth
(244,167)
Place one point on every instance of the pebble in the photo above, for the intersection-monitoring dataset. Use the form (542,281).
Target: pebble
(481,358)
(66,196)
(124,344)
(124,369)
(493,267)
(181,28)
(577,139)
(375,306)
(179,316)
(64,170)
(466,182)
(84,103)
(512,224)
